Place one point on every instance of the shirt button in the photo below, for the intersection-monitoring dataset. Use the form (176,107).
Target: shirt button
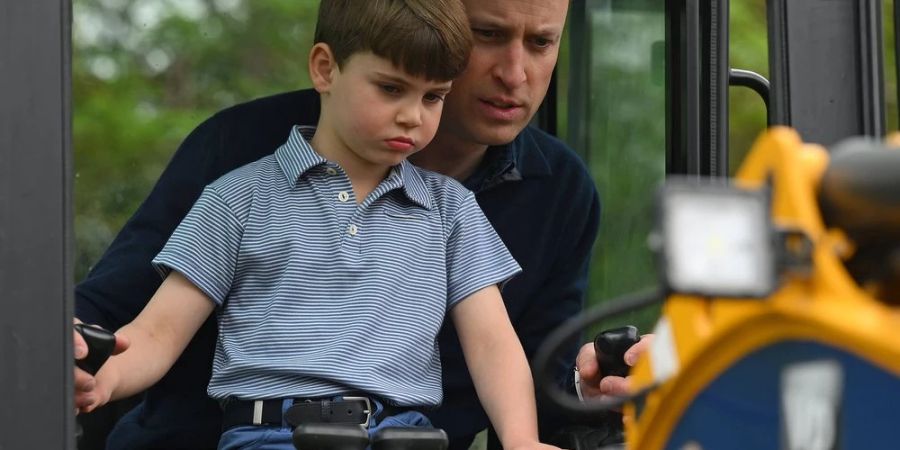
(343,196)
(353,229)
(331,171)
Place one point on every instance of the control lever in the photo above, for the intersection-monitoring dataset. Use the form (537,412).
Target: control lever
(100,344)
(611,345)
(330,436)
(399,438)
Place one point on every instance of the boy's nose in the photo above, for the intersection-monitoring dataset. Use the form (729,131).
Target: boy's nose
(409,116)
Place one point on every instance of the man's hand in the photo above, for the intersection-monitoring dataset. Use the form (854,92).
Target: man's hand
(593,383)
(84,382)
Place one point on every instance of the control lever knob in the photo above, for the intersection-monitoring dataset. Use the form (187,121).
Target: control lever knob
(611,345)
(100,343)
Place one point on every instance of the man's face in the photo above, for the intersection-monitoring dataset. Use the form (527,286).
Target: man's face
(516,47)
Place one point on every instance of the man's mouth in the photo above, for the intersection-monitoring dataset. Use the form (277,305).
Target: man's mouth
(502,109)
(502,103)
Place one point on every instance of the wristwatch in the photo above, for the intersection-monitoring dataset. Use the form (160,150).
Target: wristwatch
(578,385)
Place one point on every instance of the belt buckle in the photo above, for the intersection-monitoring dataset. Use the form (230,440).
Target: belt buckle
(369,412)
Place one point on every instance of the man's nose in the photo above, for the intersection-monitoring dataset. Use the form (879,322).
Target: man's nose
(510,69)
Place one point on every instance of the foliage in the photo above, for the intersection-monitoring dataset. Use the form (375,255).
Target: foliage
(625,145)
(145,73)
(749,51)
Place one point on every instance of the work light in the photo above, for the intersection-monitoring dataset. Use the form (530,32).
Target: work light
(715,239)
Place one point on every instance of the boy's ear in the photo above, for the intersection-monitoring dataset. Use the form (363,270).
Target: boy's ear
(322,67)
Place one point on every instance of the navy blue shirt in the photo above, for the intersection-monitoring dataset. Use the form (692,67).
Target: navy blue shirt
(535,191)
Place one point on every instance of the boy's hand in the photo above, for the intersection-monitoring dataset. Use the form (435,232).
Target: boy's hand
(87,400)
(593,383)
(85,383)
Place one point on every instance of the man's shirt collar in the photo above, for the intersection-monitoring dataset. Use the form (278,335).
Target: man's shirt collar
(296,157)
(520,159)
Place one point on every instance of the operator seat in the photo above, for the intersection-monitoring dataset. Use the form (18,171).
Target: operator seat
(860,194)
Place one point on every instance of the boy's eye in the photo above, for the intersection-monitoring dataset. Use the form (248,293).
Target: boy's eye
(390,89)
(433,98)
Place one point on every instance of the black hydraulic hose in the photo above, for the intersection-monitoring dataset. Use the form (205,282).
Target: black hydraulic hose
(544,371)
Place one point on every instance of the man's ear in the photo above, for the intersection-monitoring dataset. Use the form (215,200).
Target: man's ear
(322,67)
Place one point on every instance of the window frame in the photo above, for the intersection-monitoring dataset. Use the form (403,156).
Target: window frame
(36,226)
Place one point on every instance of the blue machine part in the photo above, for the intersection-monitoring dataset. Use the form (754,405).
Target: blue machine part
(742,408)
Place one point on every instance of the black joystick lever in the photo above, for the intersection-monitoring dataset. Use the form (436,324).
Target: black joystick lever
(100,343)
(611,346)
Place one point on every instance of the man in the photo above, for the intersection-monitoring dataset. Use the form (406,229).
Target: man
(536,193)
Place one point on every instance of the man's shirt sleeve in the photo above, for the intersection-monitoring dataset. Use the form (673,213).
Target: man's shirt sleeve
(560,298)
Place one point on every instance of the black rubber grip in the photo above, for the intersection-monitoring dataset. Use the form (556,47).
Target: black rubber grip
(100,345)
(611,346)
(402,438)
(330,436)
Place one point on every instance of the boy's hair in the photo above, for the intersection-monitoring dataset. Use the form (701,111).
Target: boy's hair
(429,38)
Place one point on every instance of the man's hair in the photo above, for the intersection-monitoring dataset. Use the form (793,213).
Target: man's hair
(429,38)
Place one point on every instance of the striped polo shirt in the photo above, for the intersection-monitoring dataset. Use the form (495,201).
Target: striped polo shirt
(317,295)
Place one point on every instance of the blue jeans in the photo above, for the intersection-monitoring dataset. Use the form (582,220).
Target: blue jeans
(281,437)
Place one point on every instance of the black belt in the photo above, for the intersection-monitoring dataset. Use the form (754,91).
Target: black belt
(351,410)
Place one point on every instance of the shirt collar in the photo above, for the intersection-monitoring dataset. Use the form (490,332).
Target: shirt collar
(520,159)
(296,157)
(413,185)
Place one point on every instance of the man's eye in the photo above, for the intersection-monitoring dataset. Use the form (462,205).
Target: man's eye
(543,42)
(390,89)
(487,34)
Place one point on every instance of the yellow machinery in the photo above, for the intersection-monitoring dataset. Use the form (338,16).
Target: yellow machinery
(810,358)
(815,365)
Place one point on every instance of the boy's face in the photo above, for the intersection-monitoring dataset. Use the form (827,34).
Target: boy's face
(381,114)
(509,70)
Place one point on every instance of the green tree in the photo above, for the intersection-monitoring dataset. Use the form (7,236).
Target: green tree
(147,72)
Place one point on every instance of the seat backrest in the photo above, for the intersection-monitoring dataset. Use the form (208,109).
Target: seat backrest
(860,194)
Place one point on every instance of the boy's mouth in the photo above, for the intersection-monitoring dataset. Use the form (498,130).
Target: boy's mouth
(401,143)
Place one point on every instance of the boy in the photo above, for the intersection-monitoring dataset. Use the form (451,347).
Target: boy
(332,263)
